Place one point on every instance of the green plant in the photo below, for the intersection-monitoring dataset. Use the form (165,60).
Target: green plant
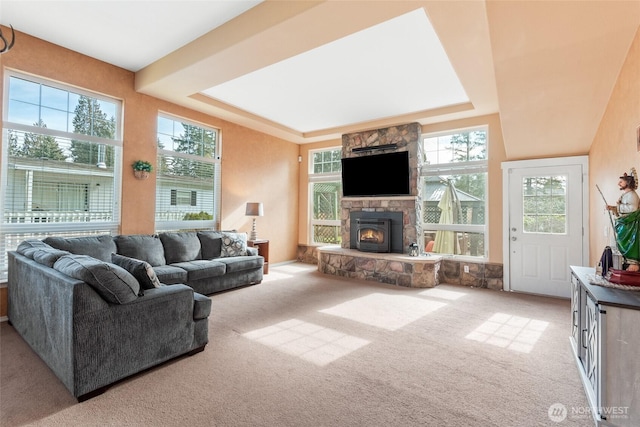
(197,216)
(142,165)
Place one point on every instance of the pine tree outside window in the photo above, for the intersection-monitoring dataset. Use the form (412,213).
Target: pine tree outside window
(188,175)
(60,171)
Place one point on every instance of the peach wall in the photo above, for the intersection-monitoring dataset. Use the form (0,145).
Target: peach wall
(496,157)
(255,166)
(614,149)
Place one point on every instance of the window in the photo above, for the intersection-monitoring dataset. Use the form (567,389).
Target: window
(325,191)
(60,171)
(544,204)
(454,180)
(187,189)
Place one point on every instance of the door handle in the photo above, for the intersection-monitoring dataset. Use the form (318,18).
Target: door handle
(514,238)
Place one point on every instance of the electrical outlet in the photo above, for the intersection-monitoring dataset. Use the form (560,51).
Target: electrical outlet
(466,268)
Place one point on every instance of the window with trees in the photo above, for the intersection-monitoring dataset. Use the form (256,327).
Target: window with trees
(60,170)
(188,175)
(325,189)
(454,180)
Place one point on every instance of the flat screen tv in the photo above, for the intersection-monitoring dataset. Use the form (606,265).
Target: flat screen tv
(376,175)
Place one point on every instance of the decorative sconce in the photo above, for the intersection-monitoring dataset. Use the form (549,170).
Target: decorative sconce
(254,209)
(6,44)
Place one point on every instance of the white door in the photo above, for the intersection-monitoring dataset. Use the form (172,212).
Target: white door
(546,219)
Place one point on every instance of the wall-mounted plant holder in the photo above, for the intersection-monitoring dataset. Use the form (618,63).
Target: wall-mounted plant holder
(141,174)
(142,169)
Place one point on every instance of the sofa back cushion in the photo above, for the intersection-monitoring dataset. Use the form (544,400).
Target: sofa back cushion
(114,284)
(100,247)
(180,246)
(30,246)
(211,244)
(48,256)
(141,246)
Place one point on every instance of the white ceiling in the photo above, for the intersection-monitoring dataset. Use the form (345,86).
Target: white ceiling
(130,34)
(293,93)
(310,71)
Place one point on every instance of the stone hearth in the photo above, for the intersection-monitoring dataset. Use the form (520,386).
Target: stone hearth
(394,269)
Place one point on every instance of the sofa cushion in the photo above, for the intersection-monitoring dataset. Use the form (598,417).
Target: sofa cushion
(234,244)
(242,263)
(202,269)
(180,246)
(170,274)
(48,256)
(113,283)
(141,270)
(211,244)
(201,306)
(141,246)
(100,247)
(29,246)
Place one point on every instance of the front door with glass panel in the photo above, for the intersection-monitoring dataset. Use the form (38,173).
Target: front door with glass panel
(545,234)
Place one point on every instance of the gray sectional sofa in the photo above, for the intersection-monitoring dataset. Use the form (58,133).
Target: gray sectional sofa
(98,309)
(208,261)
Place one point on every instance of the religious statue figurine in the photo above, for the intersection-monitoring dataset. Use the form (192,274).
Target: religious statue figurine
(627,222)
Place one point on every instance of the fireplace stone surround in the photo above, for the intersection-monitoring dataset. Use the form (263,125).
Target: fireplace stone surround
(399,138)
(396,267)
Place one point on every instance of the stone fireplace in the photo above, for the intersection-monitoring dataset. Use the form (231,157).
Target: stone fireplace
(406,209)
(394,266)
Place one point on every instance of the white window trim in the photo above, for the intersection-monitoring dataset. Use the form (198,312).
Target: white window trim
(117,142)
(217,189)
(470,167)
(316,178)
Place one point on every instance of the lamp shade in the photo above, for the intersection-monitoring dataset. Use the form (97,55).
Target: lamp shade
(254,209)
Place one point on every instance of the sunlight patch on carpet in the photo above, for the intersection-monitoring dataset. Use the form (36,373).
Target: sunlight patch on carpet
(389,312)
(511,332)
(287,271)
(444,294)
(310,342)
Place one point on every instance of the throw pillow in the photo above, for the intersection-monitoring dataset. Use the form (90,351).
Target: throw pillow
(180,246)
(30,246)
(234,244)
(115,284)
(141,270)
(211,244)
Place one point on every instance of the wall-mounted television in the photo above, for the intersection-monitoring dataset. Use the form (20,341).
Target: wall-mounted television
(376,175)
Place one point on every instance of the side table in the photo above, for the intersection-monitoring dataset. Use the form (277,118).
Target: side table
(263,250)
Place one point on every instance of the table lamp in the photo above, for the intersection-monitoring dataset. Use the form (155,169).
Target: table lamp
(254,209)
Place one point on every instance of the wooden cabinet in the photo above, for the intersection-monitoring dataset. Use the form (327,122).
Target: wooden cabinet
(263,250)
(605,339)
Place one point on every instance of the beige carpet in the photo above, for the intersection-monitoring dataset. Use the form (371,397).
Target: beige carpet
(306,349)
